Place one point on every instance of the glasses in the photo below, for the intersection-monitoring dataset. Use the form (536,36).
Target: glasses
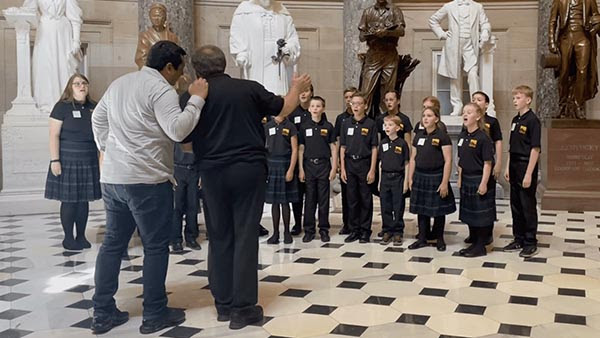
(80,84)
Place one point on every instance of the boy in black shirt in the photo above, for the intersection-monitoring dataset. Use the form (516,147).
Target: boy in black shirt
(392,103)
(186,198)
(522,173)
(394,155)
(318,165)
(358,158)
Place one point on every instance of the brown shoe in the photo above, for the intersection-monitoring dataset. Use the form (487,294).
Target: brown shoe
(386,239)
(397,240)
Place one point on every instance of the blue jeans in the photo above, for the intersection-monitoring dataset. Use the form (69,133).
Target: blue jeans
(150,208)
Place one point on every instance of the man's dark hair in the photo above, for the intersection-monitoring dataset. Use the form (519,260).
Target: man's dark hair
(208,60)
(393,91)
(318,98)
(163,53)
(485,96)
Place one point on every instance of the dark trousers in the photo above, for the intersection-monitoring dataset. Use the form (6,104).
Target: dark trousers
(345,206)
(424,223)
(186,203)
(392,202)
(235,195)
(150,208)
(523,203)
(298,206)
(360,200)
(317,193)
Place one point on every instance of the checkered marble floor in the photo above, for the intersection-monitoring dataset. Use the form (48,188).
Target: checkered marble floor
(318,290)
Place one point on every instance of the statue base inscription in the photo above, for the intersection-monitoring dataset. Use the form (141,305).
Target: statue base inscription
(571,174)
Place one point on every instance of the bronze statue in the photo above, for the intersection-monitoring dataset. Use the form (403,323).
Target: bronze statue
(572,35)
(381,25)
(159,31)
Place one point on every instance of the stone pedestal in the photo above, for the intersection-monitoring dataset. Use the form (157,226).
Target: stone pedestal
(571,165)
(486,71)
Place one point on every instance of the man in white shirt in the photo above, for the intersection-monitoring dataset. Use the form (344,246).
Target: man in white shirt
(135,125)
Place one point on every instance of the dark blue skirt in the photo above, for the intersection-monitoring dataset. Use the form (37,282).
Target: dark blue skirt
(80,177)
(278,190)
(424,197)
(477,210)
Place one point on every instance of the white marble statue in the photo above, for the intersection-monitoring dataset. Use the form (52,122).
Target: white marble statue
(57,51)
(256,28)
(468,30)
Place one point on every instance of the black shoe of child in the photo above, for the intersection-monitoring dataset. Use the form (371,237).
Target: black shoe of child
(468,240)
(174,317)
(193,245)
(324,236)
(83,242)
(417,245)
(177,248)
(71,244)
(513,246)
(365,238)
(397,240)
(477,251)
(274,239)
(440,245)
(296,230)
(262,231)
(380,234)
(387,238)
(528,251)
(103,325)
(308,237)
(242,318)
(345,230)
(287,238)
(465,250)
(353,237)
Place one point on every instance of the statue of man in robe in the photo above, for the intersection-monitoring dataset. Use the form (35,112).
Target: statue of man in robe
(264,43)
(159,31)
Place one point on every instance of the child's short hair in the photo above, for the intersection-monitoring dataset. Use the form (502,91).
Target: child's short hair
(350,90)
(392,91)
(361,95)
(523,89)
(434,101)
(393,118)
(485,96)
(318,98)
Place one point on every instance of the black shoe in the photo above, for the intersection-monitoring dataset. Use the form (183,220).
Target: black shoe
(417,245)
(353,237)
(174,317)
(324,236)
(476,252)
(364,238)
(345,230)
(465,250)
(489,241)
(387,238)
(528,251)
(177,248)
(274,239)
(308,237)
(244,317)
(513,246)
(193,245)
(262,231)
(83,242)
(468,240)
(380,234)
(296,230)
(397,240)
(222,317)
(440,245)
(71,244)
(100,326)
(287,238)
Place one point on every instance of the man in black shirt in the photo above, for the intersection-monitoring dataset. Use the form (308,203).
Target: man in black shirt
(229,142)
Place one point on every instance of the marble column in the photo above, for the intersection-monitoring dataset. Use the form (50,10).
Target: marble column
(352,46)
(547,85)
(180,17)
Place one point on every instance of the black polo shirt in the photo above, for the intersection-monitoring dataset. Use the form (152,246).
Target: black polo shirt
(339,120)
(393,154)
(473,150)
(492,125)
(429,149)
(76,120)
(300,115)
(525,134)
(419,128)
(230,128)
(406,126)
(359,137)
(279,137)
(316,137)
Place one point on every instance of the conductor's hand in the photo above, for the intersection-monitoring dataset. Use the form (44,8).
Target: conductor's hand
(301,83)
(199,88)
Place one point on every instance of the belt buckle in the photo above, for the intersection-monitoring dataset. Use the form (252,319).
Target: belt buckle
(355,157)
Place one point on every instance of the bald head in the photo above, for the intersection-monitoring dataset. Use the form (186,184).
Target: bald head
(208,60)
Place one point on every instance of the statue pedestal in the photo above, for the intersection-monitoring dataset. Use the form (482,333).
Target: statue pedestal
(571,166)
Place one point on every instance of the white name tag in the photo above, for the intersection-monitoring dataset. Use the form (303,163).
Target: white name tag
(383,126)
(512,128)
(460,142)
(309,132)
(76,114)
(421,142)
(297,119)
(420,126)
(386,147)
(350,131)
(271,131)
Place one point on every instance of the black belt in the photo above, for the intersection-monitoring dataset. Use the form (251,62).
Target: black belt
(519,158)
(392,172)
(318,160)
(185,166)
(357,157)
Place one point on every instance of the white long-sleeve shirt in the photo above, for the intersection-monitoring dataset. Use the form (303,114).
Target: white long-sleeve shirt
(135,124)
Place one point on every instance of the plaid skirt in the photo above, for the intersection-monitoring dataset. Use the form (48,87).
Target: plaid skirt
(425,199)
(79,180)
(477,210)
(278,190)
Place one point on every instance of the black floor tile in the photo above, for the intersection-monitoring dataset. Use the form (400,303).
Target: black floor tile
(572,271)
(274,279)
(450,271)
(12,314)
(14,333)
(265,320)
(575,219)
(420,259)
(262,266)
(132,257)
(11,233)
(543,245)
(332,245)
(515,330)
(351,285)
(11,249)
(394,249)
(139,281)
(68,253)
(83,304)
(80,288)
(12,296)
(298,293)
(403,278)
(433,292)
(574,254)
(523,300)
(12,241)
(536,260)
(544,233)
(530,278)
(327,272)
(470,309)
(306,260)
(494,265)
(483,284)
(576,229)
(569,319)
(180,253)
(574,241)
(12,269)
(409,318)
(571,292)
(133,268)
(375,265)
(380,300)
(71,264)
(181,332)
(288,250)
(350,254)
(84,324)
(199,273)
(12,282)
(349,330)
(320,309)
(190,261)
(506,236)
